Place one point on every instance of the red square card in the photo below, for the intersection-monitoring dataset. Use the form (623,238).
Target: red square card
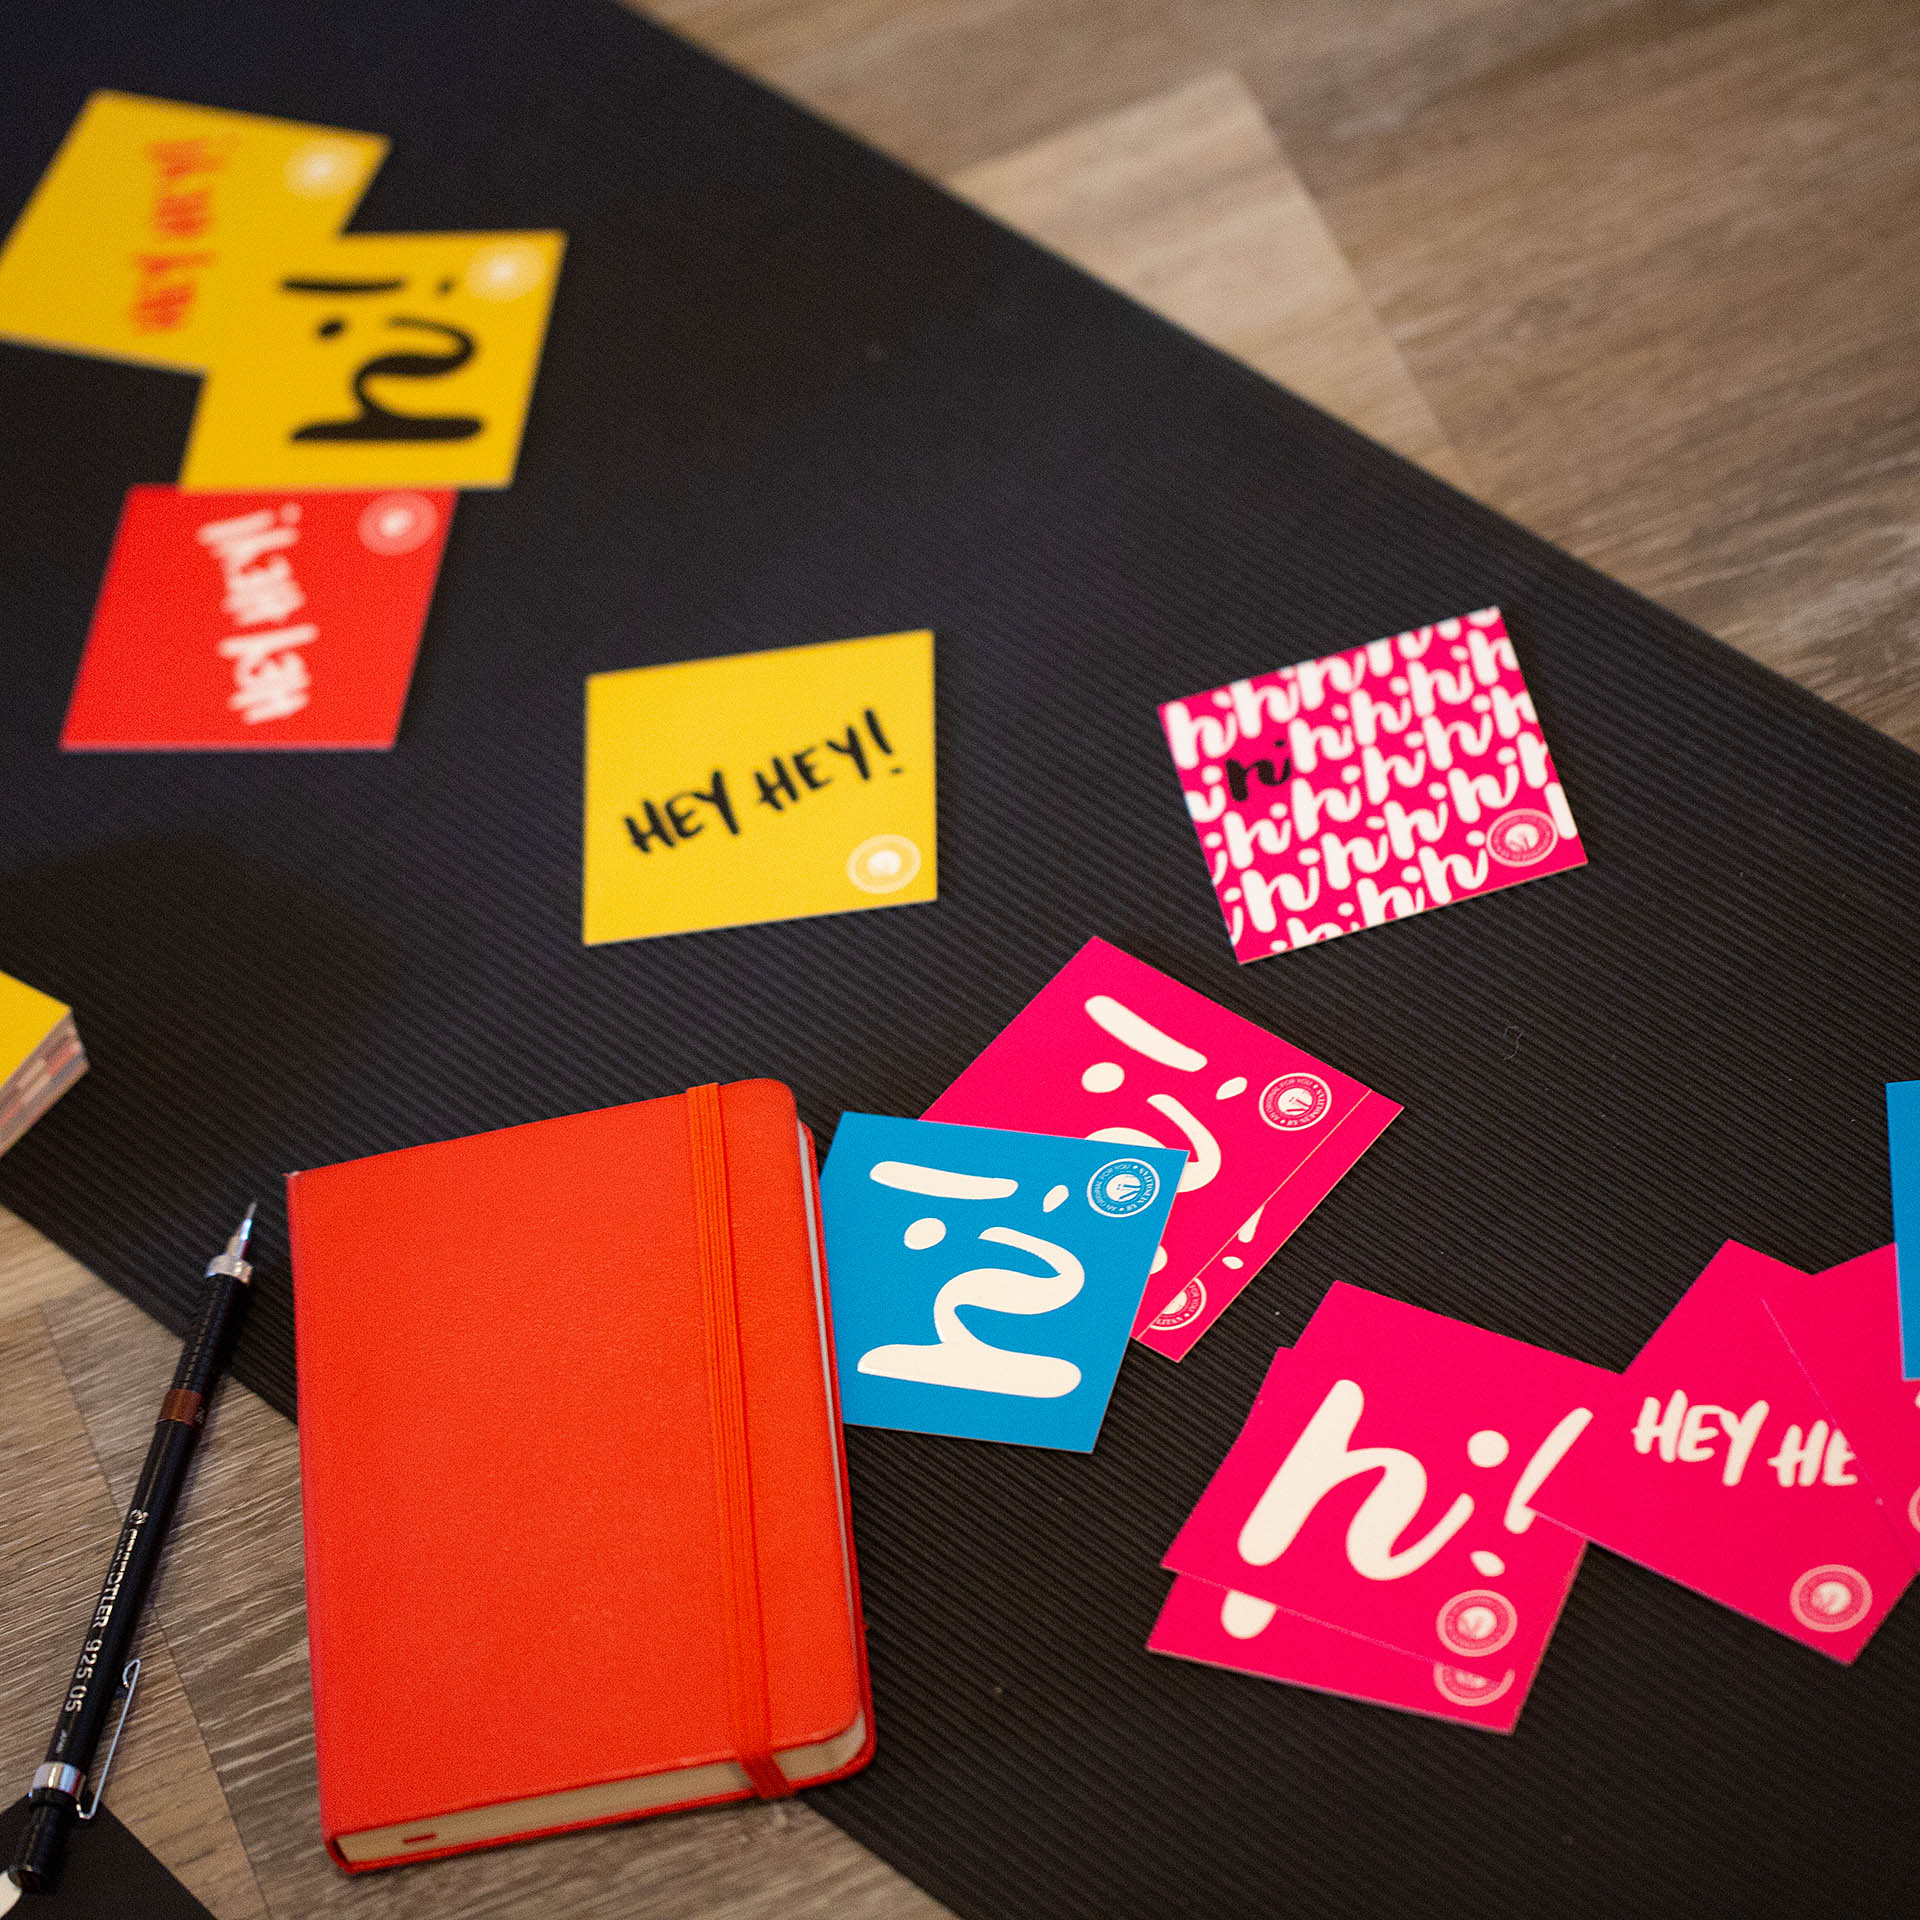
(258,619)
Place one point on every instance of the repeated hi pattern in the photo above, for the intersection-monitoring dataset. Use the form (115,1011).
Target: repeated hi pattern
(1371,785)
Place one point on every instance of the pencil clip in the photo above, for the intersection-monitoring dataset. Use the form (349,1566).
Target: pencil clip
(129,1679)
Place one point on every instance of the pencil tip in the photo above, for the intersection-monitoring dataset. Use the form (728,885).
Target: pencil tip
(244,1231)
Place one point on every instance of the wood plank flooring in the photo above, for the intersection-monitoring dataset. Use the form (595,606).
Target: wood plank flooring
(217,1775)
(1640,272)
(1648,265)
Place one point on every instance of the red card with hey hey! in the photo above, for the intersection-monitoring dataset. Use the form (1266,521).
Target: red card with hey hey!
(246,620)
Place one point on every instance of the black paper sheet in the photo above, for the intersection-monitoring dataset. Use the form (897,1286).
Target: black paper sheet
(107,1875)
(793,393)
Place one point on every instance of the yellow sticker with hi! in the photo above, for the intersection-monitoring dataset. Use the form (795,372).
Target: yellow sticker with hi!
(762,786)
(123,248)
(376,360)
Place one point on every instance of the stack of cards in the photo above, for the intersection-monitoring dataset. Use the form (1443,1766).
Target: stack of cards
(351,382)
(1370,786)
(1112,1050)
(1405,1509)
(984,1281)
(1719,1458)
(1373,1531)
(40,1056)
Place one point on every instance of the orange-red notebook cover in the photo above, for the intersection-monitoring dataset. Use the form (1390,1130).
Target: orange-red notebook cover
(578,1543)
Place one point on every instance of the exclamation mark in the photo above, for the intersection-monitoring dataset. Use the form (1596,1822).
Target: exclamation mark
(880,739)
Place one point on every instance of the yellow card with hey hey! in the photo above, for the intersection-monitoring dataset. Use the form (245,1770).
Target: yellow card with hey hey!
(762,786)
(125,245)
(376,360)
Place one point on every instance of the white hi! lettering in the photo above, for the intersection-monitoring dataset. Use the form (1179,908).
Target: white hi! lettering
(1320,1460)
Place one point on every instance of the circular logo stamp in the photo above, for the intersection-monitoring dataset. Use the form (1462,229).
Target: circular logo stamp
(1122,1187)
(1913,1510)
(505,272)
(1521,836)
(394,523)
(883,864)
(321,167)
(1295,1100)
(1477,1621)
(1182,1310)
(1468,1689)
(1830,1599)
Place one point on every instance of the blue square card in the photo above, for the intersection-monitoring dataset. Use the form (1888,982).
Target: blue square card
(985,1282)
(1903,1155)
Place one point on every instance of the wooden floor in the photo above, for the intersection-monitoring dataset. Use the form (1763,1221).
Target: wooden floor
(1644,276)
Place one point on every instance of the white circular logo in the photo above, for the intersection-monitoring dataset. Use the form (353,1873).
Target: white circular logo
(504,272)
(1830,1599)
(884,864)
(1466,1688)
(1183,1309)
(1913,1510)
(1522,836)
(394,523)
(1123,1187)
(1295,1100)
(1477,1621)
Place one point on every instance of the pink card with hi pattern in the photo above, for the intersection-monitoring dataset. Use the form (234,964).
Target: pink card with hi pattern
(1221,1628)
(1844,1328)
(1384,1484)
(1111,1049)
(1370,785)
(1713,1462)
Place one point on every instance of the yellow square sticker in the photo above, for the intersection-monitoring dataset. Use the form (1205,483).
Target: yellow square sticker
(377,360)
(27,1016)
(148,203)
(764,786)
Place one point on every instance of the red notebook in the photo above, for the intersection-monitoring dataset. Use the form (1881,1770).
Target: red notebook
(577,1532)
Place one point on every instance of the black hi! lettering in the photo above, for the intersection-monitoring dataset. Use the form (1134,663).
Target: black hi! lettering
(376,420)
(1237,775)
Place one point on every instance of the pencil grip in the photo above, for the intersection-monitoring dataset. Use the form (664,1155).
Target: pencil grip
(41,1846)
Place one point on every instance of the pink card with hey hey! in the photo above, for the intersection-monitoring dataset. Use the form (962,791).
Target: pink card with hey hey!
(1220,1628)
(1370,785)
(1844,1328)
(1111,1049)
(1714,1463)
(1384,1484)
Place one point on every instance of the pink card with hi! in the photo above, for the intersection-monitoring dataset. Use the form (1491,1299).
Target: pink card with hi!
(1844,1328)
(1385,1484)
(1111,1049)
(1370,785)
(1224,1629)
(1713,1462)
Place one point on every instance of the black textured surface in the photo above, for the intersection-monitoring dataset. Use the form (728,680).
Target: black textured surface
(107,1875)
(793,393)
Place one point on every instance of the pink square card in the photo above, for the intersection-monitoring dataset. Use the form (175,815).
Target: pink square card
(1221,1628)
(1844,1328)
(1370,785)
(1384,1484)
(1713,1462)
(1111,1049)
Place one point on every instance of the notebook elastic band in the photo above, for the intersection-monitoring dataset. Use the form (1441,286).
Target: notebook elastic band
(751,1716)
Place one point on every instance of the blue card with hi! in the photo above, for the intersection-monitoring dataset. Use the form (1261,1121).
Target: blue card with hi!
(1903,1157)
(985,1282)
